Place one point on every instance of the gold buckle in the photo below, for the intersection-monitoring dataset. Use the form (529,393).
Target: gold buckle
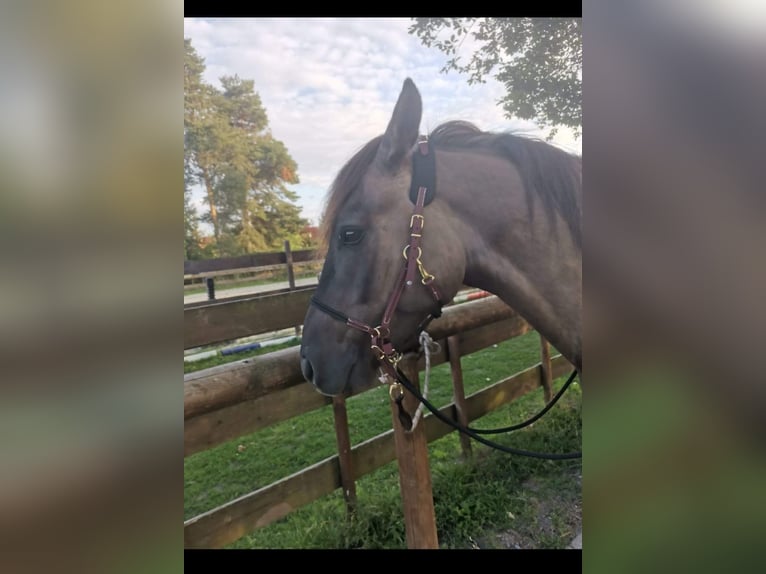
(420,217)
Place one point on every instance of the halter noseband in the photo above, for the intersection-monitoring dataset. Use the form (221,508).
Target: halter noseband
(422,191)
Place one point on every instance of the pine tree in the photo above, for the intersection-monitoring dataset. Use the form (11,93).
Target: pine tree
(244,170)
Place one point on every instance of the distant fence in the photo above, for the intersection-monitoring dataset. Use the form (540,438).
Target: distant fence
(228,401)
(229,270)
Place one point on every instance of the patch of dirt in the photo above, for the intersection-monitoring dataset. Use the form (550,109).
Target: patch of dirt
(556,518)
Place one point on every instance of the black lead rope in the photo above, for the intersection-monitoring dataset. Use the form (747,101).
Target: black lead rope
(528,422)
(475,433)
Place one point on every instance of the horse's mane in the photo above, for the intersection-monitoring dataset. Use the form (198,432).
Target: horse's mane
(548,173)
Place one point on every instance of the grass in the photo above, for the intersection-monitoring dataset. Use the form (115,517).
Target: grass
(532,503)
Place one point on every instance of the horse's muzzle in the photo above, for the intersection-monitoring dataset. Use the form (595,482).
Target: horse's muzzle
(307,369)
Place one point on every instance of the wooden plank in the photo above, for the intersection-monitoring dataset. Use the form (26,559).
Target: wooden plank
(561,367)
(414,472)
(228,401)
(225,402)
(291,277)
(468,316)
(232,263)
(244,261)
(246,296)
(373,453)
(225,524)
(340,417)
(479,338)
(225,321)
(229,522)
(253,271)
(492,334)
(289,264)
(216,427)
(211,394)
(233,273)
(217,387)
(502,392)
(458,391)
(545,367)
(215,322)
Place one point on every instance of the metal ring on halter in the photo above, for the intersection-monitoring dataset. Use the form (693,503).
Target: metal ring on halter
(395,387)
(382,332)
(404,252)
(380,355)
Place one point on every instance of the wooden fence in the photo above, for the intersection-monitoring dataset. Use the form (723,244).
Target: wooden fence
(231,270)
(228,401)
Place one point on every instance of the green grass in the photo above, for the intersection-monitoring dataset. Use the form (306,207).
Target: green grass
(538,501)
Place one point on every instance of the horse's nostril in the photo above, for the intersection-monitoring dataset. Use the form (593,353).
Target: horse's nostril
(307,370)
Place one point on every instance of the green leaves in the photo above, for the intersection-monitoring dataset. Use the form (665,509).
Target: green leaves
(539,60)
(230,152)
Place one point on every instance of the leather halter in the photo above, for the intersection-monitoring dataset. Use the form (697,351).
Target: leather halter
(422,191)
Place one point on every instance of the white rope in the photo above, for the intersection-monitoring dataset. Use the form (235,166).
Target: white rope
(428,346)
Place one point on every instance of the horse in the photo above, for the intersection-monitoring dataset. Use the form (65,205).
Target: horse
(497,211)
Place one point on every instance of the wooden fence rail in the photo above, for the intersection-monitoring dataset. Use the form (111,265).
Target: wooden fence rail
(232,270)
(276,391)
(227,320)
(228,401)
(216,322)
(218,387)
(231,521)
(243,263)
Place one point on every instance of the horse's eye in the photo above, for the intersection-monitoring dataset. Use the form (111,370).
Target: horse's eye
(351,235)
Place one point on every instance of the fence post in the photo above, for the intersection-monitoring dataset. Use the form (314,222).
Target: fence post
(414,472)
(453,352)
(546,378)
(289,262)
(344,453)
(210,282)
(291,276)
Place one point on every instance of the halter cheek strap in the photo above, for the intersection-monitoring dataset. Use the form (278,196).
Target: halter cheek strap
(424,181)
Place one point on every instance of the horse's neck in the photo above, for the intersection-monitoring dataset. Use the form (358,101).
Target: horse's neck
(548,299)
(531,263)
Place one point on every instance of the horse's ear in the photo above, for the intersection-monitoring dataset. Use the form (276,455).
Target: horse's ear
(403,129)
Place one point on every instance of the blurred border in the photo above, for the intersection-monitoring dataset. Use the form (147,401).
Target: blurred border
(91,113)
(90,220)
(674,277)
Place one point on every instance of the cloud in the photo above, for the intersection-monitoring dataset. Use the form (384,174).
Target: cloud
(329,85)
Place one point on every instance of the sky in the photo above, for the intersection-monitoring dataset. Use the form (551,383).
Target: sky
(329,85)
